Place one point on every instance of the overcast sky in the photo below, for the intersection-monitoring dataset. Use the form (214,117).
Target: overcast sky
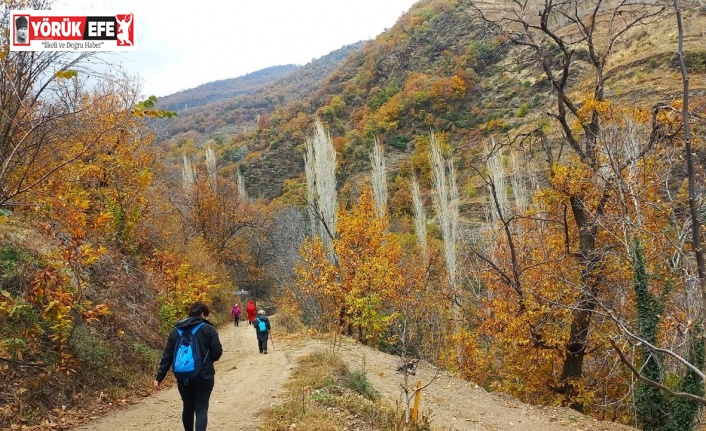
(182,44)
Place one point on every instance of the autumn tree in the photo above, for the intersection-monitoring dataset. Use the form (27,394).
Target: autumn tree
(662,406)
(445,197)
(379,178)
(551,33)
(420,220)
(213,209)
(320,162)
(366,280)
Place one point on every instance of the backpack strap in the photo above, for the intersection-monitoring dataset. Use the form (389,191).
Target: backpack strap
(193,330)
(196,328)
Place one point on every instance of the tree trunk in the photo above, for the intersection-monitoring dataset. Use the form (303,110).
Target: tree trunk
(693,206)
(580,325)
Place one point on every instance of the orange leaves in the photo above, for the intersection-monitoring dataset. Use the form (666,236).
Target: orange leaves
(178,285)
(61,306)
(388,115)
(590,106)
(145,108)
(574,179)
(366,279)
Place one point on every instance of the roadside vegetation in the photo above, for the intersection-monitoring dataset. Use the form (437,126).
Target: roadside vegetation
(324,394)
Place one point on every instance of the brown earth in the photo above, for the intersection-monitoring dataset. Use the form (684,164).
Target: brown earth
(247,382)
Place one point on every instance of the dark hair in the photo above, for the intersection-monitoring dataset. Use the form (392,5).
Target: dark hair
(198,309)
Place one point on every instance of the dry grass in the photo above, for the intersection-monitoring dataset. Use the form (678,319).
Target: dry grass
(287,322)
(323,394)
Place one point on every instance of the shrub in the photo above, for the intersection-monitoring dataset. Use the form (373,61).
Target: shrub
(582,54)
(399,142)
(696,61)
(89,347)
(324,394)
(287,322)
(523,111)
(358,381)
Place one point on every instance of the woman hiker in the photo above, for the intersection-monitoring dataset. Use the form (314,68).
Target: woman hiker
(251,310)
(235,312)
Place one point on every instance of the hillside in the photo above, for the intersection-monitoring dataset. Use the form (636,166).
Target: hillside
(233,105)
(439,67)
(224,89)
(562,255)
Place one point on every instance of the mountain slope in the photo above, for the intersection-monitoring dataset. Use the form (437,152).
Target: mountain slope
(429,70)
(231,113)
(441,67)
(225,89)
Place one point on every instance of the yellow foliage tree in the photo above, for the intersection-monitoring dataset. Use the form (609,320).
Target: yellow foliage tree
(366,279)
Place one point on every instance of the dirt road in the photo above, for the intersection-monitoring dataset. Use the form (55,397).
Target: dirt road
(247,382)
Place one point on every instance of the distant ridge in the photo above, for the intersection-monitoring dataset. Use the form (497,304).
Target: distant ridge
(203,110)
(225,88)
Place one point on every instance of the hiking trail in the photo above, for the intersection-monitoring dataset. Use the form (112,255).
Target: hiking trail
(248,382)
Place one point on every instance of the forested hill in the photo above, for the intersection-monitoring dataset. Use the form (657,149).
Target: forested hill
(246,97)
(224,89)
(439,67)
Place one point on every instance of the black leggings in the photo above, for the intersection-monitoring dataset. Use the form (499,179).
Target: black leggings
(195,395)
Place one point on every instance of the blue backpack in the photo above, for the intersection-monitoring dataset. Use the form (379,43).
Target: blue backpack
(261,325)
(187,354)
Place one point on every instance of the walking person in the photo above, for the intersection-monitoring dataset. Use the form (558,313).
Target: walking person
(192,348)
(262,330)
(235,312)
(251,310)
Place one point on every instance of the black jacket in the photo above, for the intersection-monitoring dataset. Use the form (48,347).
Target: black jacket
(207,337)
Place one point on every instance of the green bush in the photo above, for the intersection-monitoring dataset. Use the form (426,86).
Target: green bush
(523,111)
(696,61)
(582,54)
(90,348)
(147,355)
(471,191)
(358,382)
(399,142)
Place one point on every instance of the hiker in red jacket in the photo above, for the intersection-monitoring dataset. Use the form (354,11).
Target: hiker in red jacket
(251,312)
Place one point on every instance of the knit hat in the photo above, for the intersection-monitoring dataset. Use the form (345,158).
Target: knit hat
(21,22)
